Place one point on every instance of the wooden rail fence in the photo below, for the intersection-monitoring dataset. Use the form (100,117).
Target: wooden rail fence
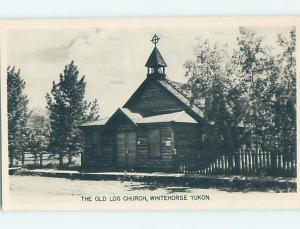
(41,159)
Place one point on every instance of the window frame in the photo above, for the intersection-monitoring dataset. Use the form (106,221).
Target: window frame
(94,145)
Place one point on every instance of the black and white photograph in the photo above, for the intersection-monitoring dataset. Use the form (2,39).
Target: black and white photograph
(161,113)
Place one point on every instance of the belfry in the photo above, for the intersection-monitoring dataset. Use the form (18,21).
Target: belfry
(156,64)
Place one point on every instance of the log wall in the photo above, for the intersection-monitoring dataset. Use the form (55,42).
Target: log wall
(154,100)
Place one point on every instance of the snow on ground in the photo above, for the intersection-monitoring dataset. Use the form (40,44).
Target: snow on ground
(26,186)
(49,193)
(28,192)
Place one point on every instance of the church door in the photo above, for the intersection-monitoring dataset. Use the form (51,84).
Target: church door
(126,149)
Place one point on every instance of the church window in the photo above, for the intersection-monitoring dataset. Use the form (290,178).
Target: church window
(155,143)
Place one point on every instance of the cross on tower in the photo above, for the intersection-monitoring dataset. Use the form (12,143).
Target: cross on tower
(156,64)
(155,39)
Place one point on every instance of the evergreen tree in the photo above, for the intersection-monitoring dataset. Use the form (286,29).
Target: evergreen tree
(17,115)
(92,111)
(68,109)
(39,135)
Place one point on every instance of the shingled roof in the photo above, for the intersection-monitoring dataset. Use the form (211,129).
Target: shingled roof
(155,59)
(181,88)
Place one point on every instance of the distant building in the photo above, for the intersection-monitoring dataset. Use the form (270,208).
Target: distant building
(156,126)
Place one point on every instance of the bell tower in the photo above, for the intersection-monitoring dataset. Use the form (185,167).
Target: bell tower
(156,64)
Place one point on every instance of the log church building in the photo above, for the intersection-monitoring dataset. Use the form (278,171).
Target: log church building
(155,127)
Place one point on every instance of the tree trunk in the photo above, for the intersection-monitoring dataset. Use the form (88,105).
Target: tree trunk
(23,158)
(11,160)
(273,160)
(70,158)
(61,160)
(41,159)
(230,146)
(35,158)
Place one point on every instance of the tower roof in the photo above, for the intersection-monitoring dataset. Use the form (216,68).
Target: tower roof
(155,59)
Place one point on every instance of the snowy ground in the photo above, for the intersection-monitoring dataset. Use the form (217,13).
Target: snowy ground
(28,192)
(28,186)
(47,193)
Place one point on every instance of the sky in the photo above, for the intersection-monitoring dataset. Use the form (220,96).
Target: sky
(111,58)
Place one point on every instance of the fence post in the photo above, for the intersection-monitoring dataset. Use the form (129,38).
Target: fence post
(237,165)
(230,161)
(273,161)
(256,156)
(41,159)
(226,164)
(247,161)
(269,159)
(214,167)
(251,161)
(262,159)
(223,164)
(23,158)
(243,160)
(265,159)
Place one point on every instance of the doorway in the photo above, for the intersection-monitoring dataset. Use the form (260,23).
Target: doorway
(126,149)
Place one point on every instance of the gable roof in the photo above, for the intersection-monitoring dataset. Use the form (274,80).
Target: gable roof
(134,117)
(155,59)
(130,116)
(181,88)
(175,91)
(193,114)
